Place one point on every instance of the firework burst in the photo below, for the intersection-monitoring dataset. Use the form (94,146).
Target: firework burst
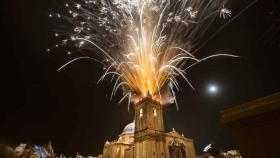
(144,45)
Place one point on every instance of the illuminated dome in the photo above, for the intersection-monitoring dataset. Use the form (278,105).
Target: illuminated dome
(129,129)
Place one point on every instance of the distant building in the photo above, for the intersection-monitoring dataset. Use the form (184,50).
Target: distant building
(211,151)
(24,151)
(34,151)
(146,138)
(232,154)
(20,149)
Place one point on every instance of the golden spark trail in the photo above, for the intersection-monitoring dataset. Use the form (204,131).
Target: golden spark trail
(144,44)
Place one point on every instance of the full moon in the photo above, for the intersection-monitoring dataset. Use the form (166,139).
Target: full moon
(213,89)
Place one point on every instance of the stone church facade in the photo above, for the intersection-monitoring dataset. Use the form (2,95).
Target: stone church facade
(146,138)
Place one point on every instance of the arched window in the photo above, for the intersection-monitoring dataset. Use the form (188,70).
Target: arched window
(154,111)
(141,113)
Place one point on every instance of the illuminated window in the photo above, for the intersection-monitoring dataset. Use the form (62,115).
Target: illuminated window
(155,111)
(141,113)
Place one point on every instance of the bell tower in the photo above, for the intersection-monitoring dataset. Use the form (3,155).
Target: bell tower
(148,116)
(149,129)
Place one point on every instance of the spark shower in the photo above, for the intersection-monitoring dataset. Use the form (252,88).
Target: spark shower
(144,45)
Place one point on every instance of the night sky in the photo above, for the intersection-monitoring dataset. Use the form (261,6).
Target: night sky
(68,107)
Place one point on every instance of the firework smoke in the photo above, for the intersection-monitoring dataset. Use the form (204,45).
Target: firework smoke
(144,45)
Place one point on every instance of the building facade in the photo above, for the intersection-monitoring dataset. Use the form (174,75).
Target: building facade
(146,137)
(34,151)
(255,126)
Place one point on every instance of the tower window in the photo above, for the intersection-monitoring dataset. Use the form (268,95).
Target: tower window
(141,113)
(155,111)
